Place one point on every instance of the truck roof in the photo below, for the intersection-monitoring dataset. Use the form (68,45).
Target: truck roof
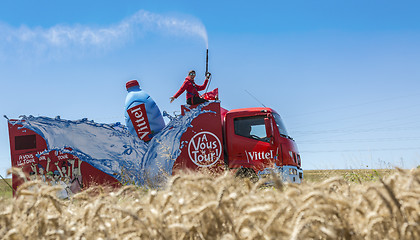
(255,109)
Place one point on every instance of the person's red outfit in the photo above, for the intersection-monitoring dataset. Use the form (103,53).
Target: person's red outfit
(192,91)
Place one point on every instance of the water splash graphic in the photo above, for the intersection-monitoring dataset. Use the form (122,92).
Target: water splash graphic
(111,148)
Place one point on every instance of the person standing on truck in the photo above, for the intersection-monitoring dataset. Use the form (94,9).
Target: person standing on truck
(193,98)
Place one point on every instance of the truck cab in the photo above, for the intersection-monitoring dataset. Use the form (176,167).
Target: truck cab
(254,143)
(257,144)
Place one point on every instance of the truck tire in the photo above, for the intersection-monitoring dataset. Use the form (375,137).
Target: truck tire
(247,173)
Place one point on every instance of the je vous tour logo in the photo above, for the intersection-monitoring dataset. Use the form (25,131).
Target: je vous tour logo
(204,149)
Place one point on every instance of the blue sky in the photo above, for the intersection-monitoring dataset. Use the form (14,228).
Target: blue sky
(344,75)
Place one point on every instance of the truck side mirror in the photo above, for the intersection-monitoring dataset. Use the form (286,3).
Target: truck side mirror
(269,128)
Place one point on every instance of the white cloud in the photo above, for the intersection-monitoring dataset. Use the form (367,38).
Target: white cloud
(60,39)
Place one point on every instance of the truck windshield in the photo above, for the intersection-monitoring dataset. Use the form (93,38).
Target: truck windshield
(280,125)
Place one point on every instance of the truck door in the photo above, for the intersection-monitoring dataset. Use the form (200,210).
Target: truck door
(248,143)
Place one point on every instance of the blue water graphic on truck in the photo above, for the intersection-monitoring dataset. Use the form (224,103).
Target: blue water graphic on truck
(111,148)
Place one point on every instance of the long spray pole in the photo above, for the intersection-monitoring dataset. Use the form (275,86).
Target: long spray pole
(207,68)
(207,61)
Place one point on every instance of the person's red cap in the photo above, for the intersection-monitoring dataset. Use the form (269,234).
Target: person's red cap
(131,83)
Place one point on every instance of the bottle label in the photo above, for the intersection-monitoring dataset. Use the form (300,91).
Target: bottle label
(140,122)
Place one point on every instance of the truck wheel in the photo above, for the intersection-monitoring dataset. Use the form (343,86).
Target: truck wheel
(247,173)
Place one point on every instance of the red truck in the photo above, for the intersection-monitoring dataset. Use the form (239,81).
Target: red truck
(249,142)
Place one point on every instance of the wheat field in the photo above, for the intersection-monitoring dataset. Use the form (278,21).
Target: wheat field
(194,206)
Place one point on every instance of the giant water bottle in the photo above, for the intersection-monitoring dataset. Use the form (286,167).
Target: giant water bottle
(142,115)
